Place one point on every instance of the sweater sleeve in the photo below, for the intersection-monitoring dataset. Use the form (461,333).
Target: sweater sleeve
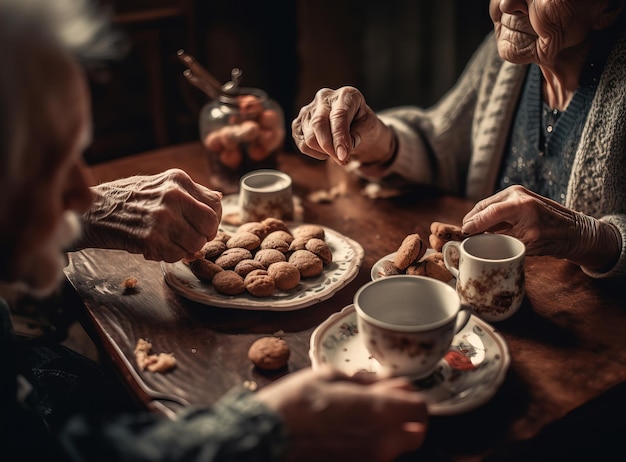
(619,269)
(237,428)
(435,145)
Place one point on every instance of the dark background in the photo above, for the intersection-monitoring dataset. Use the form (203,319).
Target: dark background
(396,52)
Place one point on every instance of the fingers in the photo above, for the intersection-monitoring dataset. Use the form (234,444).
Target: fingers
(310,147)
(190,224)
(322,128)
(188,216)
(402,405)
(213,199)
(160,247)
(543,225)
(403,422)
(348,415)
(343,111)
(408,438)
(496,213)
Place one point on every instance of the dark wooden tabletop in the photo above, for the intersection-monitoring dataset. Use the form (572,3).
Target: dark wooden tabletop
(566,342)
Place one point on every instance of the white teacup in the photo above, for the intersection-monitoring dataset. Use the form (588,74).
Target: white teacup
(407,322)
(265,193)
(490,273)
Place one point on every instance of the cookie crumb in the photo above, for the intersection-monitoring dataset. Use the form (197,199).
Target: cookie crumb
(162,362)
(130,283)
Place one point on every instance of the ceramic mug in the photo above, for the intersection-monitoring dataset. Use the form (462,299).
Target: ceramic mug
(265,193)
(490,273)
(407,323)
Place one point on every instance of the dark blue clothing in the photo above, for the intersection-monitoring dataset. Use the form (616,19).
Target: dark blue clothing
(543,141)
(71,411)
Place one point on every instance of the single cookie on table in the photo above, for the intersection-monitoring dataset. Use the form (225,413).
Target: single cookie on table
(230,257)
(245,266)
(204,269)
(269,353)
(286,276)
(259,283)
(269,256)
(320,248)
(309,264)
(245,240)
(228,282)
(411,250)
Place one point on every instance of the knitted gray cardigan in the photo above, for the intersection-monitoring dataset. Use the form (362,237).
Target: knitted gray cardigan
(458,144)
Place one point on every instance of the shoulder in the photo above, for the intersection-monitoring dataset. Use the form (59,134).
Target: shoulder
(612,85)
(488,50)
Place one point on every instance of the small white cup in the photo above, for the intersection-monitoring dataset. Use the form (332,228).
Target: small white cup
(264,194)
(490,273)
(407,322)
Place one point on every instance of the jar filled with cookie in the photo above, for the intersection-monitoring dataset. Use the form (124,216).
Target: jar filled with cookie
(242,130)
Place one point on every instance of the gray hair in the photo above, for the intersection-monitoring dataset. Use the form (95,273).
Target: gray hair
(73,27)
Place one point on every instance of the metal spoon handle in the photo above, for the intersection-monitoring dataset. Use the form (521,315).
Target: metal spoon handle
(199,71)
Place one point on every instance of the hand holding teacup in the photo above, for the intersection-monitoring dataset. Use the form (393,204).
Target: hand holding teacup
(490,273)
(407,323)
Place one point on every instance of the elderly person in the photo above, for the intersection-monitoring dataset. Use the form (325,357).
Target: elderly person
(538,117)
(44,128)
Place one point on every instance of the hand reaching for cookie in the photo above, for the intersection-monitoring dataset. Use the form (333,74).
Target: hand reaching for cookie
(164,217)
(547,227)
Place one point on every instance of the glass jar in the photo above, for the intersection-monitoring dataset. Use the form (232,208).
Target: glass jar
(242,130)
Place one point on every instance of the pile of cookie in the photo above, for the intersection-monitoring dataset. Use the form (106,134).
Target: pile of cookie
(261,257)
(411,257)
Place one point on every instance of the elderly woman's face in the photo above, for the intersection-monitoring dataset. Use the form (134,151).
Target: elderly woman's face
(539,31)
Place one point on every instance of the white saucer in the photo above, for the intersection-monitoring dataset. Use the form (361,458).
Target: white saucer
(468,376)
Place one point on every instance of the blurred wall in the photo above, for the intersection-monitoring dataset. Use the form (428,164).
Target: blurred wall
(396,52)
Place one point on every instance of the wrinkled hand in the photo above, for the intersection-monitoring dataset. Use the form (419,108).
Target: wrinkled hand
(164,217)
(330,416)
(546,227)
(340,125)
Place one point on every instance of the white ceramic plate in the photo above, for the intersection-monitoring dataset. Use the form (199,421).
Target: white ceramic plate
(377,272)
(347,259)
(468,376)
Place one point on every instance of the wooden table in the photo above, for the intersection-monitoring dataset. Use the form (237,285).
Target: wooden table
(566,342)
